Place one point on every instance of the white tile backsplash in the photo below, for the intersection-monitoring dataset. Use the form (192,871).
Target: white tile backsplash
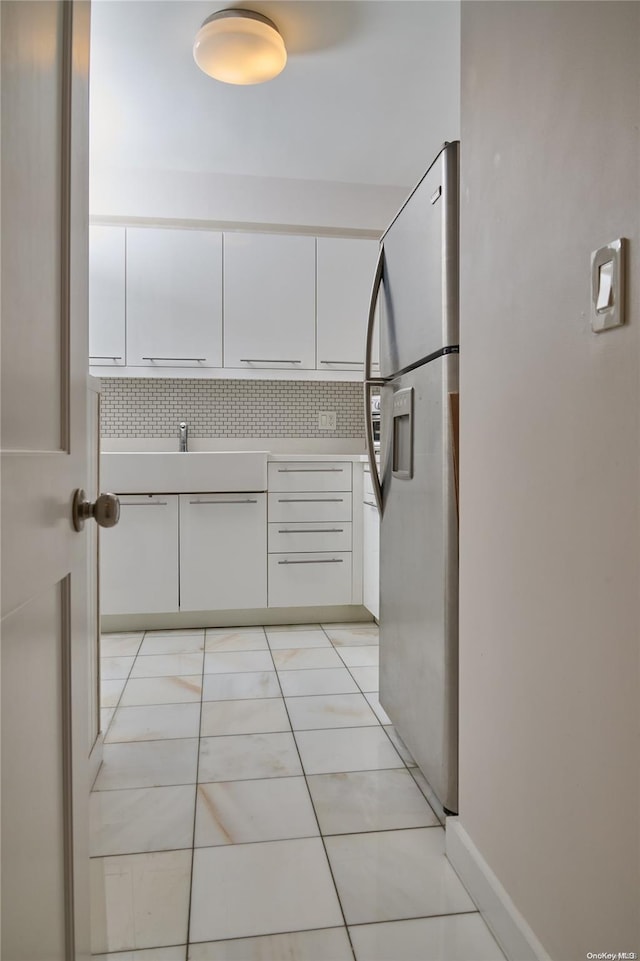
(144,407)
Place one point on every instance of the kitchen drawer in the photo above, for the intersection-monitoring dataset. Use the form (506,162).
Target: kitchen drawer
(308,536)
(310,506)
(310,476)
(309,580)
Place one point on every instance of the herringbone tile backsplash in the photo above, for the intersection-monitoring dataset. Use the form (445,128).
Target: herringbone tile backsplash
(145,407)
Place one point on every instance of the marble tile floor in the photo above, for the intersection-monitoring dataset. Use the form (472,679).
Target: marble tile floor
(255,804)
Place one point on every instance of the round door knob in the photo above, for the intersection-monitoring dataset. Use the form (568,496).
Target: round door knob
(105,510)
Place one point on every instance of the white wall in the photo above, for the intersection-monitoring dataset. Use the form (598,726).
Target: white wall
(228,198)
(550,476)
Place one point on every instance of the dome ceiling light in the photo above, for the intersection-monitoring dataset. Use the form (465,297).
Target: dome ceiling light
(239,46)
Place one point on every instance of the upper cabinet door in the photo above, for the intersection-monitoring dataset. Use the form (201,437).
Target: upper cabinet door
(174,298)
(106,297)
(345,277)
(269,301)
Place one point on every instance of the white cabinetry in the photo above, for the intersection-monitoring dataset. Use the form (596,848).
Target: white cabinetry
(107,296)
(370,550)
(345,278)
(174,298)
(269,301)
(292,303)
(299,545)
(139,557)
(310,531)
(223,551)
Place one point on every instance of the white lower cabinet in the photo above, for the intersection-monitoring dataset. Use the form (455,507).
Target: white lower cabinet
(371,558)
(223,551)
(310,533)
(292,547)
(309,580)
(139,557)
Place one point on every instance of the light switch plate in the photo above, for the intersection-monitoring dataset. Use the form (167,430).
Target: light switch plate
(327,420)
(607,286)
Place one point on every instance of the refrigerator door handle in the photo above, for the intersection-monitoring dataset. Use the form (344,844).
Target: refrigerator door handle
(370,381)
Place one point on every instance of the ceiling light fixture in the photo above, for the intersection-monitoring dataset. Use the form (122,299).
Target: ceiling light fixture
(239,46)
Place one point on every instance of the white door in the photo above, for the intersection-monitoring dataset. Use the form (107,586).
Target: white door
(45,634)
(269,301)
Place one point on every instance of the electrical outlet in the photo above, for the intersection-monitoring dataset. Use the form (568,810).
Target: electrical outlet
(327,420)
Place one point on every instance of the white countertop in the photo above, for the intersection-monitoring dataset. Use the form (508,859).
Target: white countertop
(153,471)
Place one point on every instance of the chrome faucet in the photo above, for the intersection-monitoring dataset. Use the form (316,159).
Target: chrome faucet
(183,433)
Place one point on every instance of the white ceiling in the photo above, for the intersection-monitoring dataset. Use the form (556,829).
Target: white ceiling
(370,90)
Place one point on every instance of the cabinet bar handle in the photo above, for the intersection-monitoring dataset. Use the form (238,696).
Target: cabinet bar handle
(351,363)
(315,530)
(329,560)
(311,470)
(143,503)
(104,357)
(370,504)
(199,359)
(311,500)
(267,360)
(248,500)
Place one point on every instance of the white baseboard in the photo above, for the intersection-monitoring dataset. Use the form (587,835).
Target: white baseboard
(244,618)
(507,925)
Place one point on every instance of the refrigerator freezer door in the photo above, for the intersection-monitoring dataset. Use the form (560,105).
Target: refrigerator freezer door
(419,579)
(419,302)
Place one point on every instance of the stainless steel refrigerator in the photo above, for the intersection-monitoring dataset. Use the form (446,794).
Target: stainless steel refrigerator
(416,285)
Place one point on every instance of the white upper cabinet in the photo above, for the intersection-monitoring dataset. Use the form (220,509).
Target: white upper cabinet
(269,301)
(345,277)
(174,298)
(106,296)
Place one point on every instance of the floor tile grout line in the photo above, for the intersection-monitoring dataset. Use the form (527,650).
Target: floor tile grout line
(156,947)
(276,934)
(112,718)
(315,814)
(417,917)
(332,927)
(142,787)
(195,816)
(297,837)
(285,670)
(289,730)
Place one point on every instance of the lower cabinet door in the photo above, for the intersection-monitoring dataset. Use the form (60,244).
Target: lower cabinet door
(223,551)
(371,559)
(139,557)
(309,580)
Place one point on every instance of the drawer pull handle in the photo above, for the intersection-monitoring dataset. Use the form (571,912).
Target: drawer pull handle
(144,503)
(329,560)
(311,500)
(351,363)
(199,359)
(248,500)
(104,357)
(370,504)
(315,530)
(267,360)
(311,470)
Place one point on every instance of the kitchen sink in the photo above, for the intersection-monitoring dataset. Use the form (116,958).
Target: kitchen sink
(172,473)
